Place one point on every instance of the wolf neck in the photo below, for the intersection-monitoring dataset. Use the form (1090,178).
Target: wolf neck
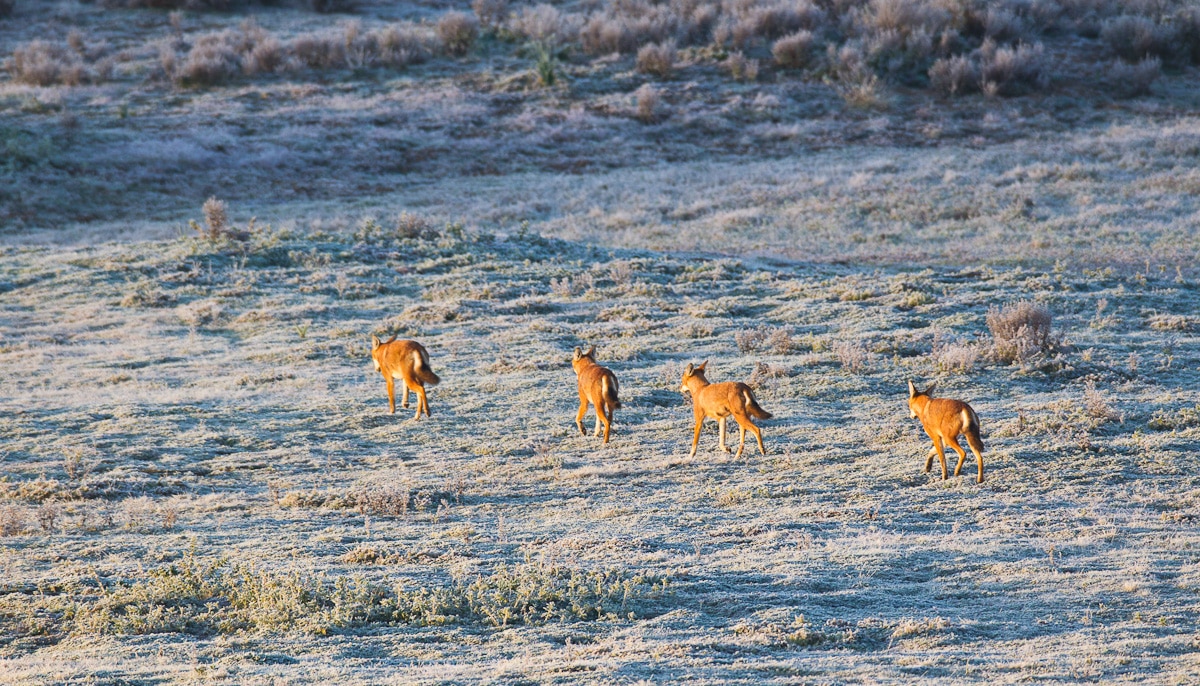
(695,383)
(921,405)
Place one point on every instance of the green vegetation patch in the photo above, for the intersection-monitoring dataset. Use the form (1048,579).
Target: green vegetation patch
(220,596)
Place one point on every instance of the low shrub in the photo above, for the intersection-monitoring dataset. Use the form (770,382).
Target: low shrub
(794,51)
(1022,333)
(956,75)
(1131,80)
(457,31)
(218,596)
(41,63)
(490,13)
(657,59)
(649,103)
(1134,37)
(1005,70)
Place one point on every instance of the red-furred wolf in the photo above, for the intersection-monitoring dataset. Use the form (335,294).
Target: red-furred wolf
(944,419)
(409,362)
(720,401)
(597,386)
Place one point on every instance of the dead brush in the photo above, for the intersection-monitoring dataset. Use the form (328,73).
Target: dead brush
(1022,333)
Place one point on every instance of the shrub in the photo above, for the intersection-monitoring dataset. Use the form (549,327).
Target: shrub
(266,57)
(906,55)
(490,13)
(902,16)
(41,63)
(864,92)
(955,75)
(605,34)
(212,59)
(400,45)
(12,521)
(457,31)
(318,50)
(794,51)
(776,20)
(1022,332)
(216,218)
(950,356)
(852,355)
(1187,34)
(742,68)
(217,596)
(657,59)
(1133,38)
(1011,71)
(543,24)
(1001,24)
(648,103)
(1132,80)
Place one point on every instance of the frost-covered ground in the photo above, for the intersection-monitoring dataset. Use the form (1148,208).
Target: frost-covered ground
(199,481)
(171,402)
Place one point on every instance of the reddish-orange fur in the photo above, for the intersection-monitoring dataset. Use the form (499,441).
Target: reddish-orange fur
(409,361)
(944,420)
(598,386)
(720,401)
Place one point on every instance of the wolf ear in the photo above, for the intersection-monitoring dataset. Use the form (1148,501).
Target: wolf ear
(929,391)
(591,351)
(374,342)
(688,371)
(578,353)
(703,366)
(912,390)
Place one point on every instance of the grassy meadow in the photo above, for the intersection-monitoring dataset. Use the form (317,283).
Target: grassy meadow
(199,478)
